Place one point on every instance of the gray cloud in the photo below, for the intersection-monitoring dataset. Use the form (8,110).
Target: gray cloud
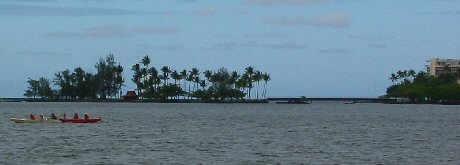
(333,51)
(284,2)
(288,45)
(232,45)
(35,53)
(33,10)
(156,30)
(206,11)
(187,0)
(285,21)
(334,19)
(236,45)
(377,46)
(268,35)
(240,12)
(453,12)
(115,30)
(173,47)
(28,1)
(368,37)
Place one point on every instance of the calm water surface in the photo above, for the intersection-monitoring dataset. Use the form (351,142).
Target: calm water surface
(319,133)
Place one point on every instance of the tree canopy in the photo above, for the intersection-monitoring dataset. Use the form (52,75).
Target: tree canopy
(421,87)
(151,83)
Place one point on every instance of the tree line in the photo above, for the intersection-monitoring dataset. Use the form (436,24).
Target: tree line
(80,84)
(151,83)
(421,87)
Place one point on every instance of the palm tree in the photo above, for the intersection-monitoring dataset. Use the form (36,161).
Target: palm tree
(176,76)
(195,73)
(393,77)
(233,79)
(197,80)
(203,84)
(137,78)
(250,73)
(257,77)
(146,61)
(119,77)
(243,82)
(266,77)
(144,73)
(166,70)
(189,78)
(208,74)
(184,75)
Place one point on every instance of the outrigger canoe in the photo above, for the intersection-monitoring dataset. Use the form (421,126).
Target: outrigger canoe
(95,120)
(26,120)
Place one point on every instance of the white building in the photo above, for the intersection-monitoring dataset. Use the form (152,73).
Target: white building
(437,66)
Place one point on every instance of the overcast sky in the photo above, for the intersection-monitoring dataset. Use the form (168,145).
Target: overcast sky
(313,48)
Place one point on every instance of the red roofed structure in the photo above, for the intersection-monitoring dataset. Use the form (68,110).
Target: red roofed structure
(130,95)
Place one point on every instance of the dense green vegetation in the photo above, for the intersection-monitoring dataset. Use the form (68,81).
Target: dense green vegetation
(211,85)
(420,87)
(151,84)
(79,84)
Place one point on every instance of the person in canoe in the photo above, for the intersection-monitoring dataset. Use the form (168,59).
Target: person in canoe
(42,117)
(64,116)
(53,116)
(75,116)
(32,116)
(86,116)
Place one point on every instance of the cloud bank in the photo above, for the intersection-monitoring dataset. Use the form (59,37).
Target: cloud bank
(334,19)
(206,11)
(284,2)
(276,46)
(32,10)
(115,30)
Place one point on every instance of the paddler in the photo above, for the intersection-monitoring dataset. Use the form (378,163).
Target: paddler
(31,116)
(86,116)
(53,116)
(75,116)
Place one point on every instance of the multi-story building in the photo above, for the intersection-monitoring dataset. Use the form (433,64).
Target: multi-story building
(437,66)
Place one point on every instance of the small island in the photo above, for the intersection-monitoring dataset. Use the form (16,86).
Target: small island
(152,84)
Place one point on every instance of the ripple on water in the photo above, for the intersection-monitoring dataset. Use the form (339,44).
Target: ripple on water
(319,133)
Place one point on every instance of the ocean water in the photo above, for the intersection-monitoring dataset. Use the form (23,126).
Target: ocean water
(149,133)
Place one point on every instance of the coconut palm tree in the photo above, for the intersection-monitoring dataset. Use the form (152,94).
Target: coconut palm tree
(203,84)
(197,80)
(207,75)
(257,78)
(195,73)
(144,73)
(393,77)
(146,61)
(250,73)
(137,78)
(266,77)
(189,78)
(119,80)
(176,76)
(233,79)
(166,70)
(184,75)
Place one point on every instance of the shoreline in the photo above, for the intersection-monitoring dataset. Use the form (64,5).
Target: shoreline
(245,101)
